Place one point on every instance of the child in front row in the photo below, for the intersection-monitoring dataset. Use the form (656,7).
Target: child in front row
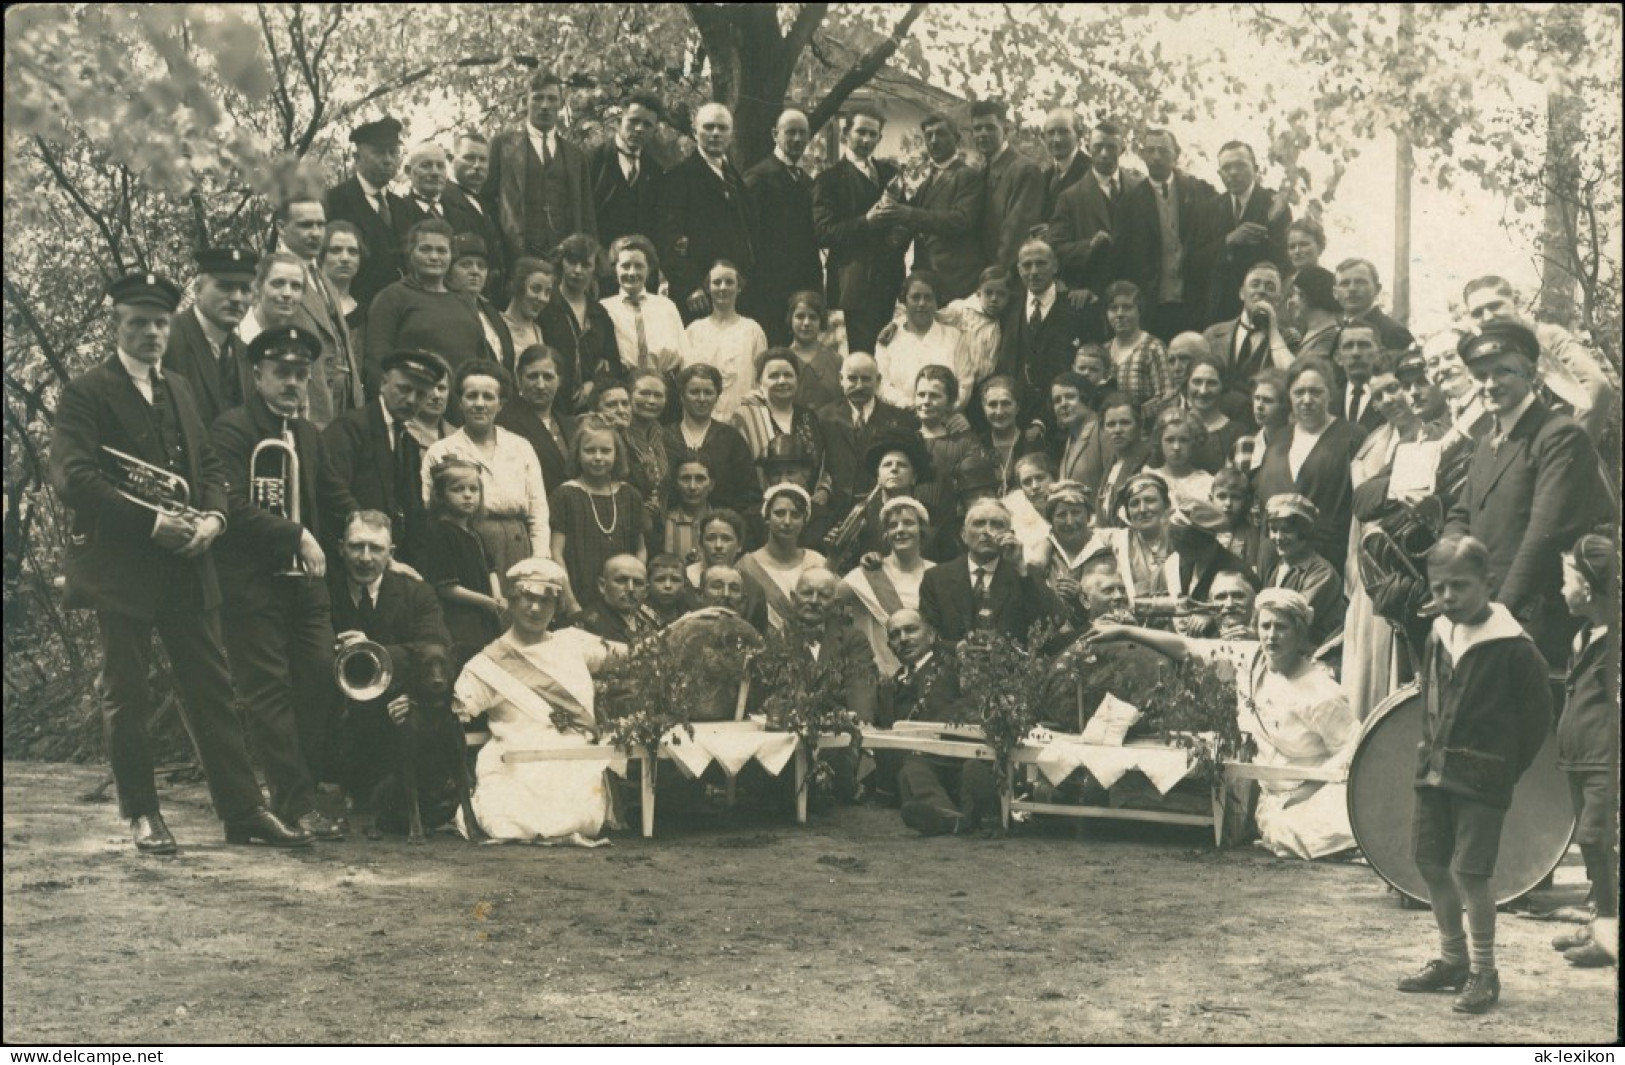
(455,562)
(1486,712)
(1588,740)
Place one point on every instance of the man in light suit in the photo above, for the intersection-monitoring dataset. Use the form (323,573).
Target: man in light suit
(945,214)
(780,193)
(705,215)
(1534,486)
(335,383)
(1245,225)
(860,226)
(1014,205)
(1252,340)
(364,200)
(203,344)
(985,589)
(1158,240)
(539,191)
(1062,131)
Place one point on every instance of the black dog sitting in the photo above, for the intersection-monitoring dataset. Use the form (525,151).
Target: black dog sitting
(402,754)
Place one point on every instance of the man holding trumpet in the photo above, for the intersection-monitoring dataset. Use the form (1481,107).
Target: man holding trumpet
(132,461)
(285,500)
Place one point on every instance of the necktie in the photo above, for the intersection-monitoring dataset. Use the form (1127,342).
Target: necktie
(1036,317)
(431,207)
(981,587)
(405,468)
(1356,395)
(1162,187)
(365,609)
(631,166)
(383,208)
(547,149)
(858,419)
(1235,208)
(643,336)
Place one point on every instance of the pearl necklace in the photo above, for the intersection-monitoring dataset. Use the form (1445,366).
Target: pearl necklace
(614,512)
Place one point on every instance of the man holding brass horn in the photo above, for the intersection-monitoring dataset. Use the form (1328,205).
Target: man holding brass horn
(132,460)
(284,499)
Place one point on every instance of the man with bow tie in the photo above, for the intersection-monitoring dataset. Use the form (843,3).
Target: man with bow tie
(780,194)
(1534,485)
(626,176)
(363,199)
(859,225)
(705,215)
(203,344)
(146,569)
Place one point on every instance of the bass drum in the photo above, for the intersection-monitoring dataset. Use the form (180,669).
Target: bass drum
(1382,796)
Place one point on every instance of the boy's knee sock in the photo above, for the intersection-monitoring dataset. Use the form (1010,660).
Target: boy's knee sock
(1480,904)
(1604,876)
(1446,905)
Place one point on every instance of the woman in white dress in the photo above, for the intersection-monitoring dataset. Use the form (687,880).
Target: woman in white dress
(527,682)
(922,341)
(1295,711)
(892,582)
(726,340)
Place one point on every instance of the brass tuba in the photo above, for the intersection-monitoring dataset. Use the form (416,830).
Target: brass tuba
(1398,541)
(363,670)
(273,483)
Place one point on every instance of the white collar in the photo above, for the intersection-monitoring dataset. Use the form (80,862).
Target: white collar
(1246,197)
(371,589)
(1505,423)
(216,335)
(778,153)
(1459,639)
(990,568)
(719,169)
(371,191)
(867,411)
(1061,168)
(1046,300)
(864,166)
(917,666)
(138,370)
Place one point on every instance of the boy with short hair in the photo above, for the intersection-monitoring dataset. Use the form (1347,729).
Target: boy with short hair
(1487,710)
(669,597)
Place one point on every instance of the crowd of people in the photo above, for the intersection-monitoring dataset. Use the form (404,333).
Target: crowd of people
(532,402)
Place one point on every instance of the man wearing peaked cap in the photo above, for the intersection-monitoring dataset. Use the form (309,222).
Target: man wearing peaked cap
(150,567)
(364,200)
(1534,485)
(287,506)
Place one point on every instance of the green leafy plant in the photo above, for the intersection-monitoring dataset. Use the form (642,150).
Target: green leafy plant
(649,692)
(1006,683)
(1193,706)
(808,698)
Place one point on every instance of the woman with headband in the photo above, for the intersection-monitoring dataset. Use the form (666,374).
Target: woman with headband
(891,582)
(777,564)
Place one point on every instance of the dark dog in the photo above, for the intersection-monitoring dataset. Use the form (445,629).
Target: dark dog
(414,772)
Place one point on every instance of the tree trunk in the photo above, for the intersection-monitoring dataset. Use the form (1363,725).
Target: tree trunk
(1559,224)
(1404,171)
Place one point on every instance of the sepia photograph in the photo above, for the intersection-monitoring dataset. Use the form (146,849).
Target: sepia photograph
(718,524)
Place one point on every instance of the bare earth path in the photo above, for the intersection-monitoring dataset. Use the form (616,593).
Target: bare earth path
(747,929)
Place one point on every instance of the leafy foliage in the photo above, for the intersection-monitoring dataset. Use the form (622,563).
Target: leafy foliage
(1005,684)
(808,698)
(649,693)
(1194,706)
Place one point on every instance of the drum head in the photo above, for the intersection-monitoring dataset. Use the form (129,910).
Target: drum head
(1382,798)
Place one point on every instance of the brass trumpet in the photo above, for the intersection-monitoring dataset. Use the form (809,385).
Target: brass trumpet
(275,488)
(153,487)
(363,670)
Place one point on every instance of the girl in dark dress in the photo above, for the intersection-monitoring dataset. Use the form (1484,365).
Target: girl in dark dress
(455,563)
(597,515)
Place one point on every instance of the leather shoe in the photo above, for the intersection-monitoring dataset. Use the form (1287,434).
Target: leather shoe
(152,835)
(263,826)
(1483,990)
(928,819)
(1589,955)
(1436,975)
(322,827)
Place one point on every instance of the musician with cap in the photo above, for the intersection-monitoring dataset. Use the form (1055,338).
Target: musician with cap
(1533,487)
(363,199)
(526,682)
(132,461)
(287,504)
(204,346)
(377,457)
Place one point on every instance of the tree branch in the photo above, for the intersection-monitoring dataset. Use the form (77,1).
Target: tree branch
(18,299)
(280,97)
(864,69)
(114,245)
(806,23)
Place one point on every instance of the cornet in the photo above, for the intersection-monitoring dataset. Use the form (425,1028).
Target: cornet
(363,670)
(153,487)
(273,484)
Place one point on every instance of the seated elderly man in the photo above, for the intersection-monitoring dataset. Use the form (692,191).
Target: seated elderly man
(620,615)
(986,587)
(939,795)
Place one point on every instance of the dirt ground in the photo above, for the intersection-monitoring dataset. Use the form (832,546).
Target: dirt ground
(736,927)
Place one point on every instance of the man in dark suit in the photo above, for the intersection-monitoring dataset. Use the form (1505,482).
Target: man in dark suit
(620,614)
(704,214)
(377,459)
(1244,225)
(470,163)
(780,193)
(985,588)
(1357,289)
(1041,332)
(1359,347)
(363,199)
(1534,485)
(148,568)
(204,347)
(1086,216)
(1062,131)
(625,177)
(945,214)
(539,191)
(399,613)
(427,167)
(852,426)
(860,225)
(279,625)
(1158,240)
(1014,185)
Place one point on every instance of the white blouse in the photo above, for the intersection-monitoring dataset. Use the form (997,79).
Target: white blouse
(901,361)
(732,349)
(511,477)
(663,335)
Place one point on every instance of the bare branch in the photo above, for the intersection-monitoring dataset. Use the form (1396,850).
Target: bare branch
(806,23)
(18,299)
(864,69)
(54,165)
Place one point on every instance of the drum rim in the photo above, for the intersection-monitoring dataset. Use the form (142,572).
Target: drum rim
(1378,712)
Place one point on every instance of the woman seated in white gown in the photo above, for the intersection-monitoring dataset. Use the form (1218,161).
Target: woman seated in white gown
(522,681)
(1293,708)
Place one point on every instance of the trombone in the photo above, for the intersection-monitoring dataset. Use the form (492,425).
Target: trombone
(273,484)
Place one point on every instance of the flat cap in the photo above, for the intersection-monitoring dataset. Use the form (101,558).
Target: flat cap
(381,132)
(150,289)
(217,261)
(1497,338)
(426,365)
(285,343)
(1291,505)
(1411,365)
